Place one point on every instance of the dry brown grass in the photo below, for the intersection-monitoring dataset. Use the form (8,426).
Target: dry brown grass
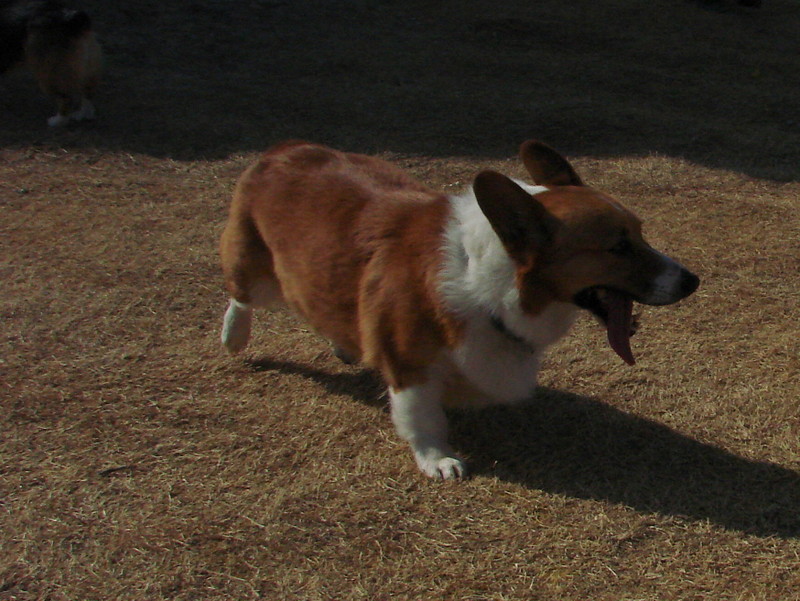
(138,462)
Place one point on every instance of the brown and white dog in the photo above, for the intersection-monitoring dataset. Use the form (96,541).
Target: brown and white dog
(57,43)
(452,299)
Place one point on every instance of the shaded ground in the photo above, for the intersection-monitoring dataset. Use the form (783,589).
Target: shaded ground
(139,462)
(198,79)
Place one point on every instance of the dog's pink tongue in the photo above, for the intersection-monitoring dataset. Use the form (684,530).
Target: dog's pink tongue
(620,313)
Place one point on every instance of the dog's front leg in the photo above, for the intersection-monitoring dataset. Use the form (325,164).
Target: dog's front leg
(419,418)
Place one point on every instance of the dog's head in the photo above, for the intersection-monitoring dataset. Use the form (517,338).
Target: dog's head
(572,243)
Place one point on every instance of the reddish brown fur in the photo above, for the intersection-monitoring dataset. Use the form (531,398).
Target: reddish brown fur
(568,229)
(356,246)
(579,251)
(395,275)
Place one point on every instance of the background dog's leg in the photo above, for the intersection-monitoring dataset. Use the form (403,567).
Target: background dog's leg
(419,418)
(66,104)
(85,112)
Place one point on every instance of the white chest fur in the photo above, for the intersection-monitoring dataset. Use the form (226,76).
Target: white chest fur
(491,366)
(478,283)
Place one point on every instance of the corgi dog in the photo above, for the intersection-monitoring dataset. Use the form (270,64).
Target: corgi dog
(452,299)
(58,45)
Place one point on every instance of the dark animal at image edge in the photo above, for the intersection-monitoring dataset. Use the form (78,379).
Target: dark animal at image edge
(57,43)
(453,299)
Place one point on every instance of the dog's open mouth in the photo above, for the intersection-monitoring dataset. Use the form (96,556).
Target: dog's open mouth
(615,310)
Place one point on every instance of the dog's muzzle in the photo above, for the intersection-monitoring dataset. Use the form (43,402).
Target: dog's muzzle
(614,307)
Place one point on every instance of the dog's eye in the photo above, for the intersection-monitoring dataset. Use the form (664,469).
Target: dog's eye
(623,247)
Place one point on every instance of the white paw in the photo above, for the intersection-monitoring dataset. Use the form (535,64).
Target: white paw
(443,468)
(236,327)
(57,121)
(86,112)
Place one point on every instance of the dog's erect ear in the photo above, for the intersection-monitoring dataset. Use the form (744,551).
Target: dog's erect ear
(521,222)
(546,166)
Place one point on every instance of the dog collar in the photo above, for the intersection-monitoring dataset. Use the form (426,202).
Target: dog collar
(501,327)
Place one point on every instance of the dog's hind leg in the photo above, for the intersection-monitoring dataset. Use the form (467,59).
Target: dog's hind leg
(247,266)
(89,65)
(236,326)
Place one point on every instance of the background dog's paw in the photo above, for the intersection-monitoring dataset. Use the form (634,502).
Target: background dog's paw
(58,121)
(85,113)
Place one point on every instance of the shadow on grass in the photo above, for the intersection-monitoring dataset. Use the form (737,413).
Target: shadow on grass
(579,447)
(359,383)
(576,446)
(421,78)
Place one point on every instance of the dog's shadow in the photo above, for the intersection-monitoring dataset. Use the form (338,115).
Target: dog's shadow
(580,447)
(360,384)
(577,446)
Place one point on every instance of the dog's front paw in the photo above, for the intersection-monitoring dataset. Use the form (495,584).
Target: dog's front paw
(443,468)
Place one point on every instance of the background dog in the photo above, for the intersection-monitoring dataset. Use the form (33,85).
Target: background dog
(58,44)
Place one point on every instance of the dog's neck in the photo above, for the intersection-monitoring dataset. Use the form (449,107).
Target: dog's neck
(500,326)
